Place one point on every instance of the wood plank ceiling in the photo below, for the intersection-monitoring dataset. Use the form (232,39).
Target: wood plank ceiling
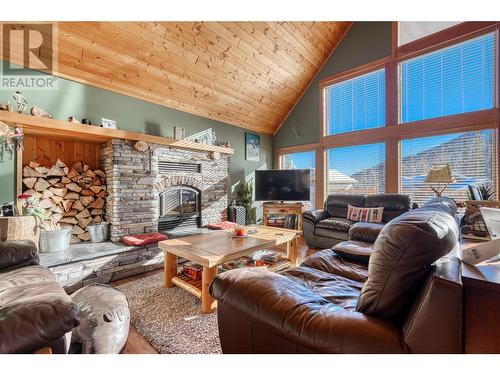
(249,74)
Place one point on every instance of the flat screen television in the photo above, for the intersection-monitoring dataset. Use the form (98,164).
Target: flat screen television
(283,185)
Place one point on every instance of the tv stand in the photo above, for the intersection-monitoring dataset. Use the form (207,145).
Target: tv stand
(284,208)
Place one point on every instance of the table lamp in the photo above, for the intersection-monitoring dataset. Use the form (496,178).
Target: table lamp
(439,174)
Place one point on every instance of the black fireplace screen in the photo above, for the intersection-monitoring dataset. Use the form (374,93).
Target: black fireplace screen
(179,208)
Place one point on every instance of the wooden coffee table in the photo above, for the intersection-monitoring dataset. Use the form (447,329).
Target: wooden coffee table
(212,249)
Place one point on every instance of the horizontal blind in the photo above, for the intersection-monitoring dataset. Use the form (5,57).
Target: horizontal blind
(303,160)
(471,155)
(357,169)
(355,104)
(453,80)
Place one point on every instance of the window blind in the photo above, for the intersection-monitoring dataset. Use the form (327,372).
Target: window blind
(355,104)
(357,169)
(453,80)
(471,155)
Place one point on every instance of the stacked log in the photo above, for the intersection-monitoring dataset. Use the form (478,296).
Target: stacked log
(73,197)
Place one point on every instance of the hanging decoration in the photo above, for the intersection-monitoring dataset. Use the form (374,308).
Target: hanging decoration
(11,140)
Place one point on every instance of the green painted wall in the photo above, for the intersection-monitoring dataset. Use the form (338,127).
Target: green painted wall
(364,42)
(83,101)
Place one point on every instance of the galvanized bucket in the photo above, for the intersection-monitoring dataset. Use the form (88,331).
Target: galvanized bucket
(52,241)
(99,231)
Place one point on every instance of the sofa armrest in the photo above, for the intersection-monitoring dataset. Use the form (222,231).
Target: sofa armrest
(18,254)
(366,232)
(295,313)
(316,215)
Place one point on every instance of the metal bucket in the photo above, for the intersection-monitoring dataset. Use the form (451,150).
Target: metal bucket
(99,231)
(52,241)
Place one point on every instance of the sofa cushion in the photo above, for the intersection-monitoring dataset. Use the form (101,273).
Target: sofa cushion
(34,309)
(329,261)
(356,251)
(394,204)
(401,259)
(144,239)
(340,224)
(334,288)
(336,204)
(366,232)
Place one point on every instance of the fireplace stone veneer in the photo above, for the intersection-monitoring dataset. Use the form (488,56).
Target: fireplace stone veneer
(135,181)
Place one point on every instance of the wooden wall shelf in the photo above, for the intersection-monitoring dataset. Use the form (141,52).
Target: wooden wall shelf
(39,126)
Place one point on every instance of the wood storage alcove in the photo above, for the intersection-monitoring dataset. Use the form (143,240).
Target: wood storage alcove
(66,176)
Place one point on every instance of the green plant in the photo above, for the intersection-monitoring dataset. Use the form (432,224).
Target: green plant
(487,191)
(244,198)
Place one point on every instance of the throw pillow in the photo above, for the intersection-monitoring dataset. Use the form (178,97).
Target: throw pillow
(367,214)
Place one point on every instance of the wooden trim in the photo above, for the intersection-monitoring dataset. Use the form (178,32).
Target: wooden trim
(479,120)
(321,168)
(392,165)
(313,78)
(394,38)
(297,148)
(355,72)
(444,38)
(391,93)
(66,130)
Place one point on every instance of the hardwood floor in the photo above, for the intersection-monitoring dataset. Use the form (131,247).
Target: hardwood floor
(137,344)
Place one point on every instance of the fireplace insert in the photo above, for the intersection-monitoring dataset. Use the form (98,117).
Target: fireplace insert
(179,209)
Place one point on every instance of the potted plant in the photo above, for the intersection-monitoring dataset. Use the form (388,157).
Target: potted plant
(244,194)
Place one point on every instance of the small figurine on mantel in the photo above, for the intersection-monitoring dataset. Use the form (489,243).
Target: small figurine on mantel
(6,107)
(39,112)
(20,101)
(11,140)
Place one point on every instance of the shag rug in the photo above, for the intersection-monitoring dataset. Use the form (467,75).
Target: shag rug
(170,319)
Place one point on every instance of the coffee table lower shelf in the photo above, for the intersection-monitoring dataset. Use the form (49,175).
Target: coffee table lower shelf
(195,287)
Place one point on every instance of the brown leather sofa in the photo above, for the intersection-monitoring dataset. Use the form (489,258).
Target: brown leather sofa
(327,227)
(404,296)
(35,311)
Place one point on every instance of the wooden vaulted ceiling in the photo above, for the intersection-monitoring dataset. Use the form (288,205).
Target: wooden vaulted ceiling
(249,74)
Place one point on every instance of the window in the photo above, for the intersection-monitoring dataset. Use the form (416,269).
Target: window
(355,104)
(408,31)
(471,155)
(303,160)
(453,80)
(357,169)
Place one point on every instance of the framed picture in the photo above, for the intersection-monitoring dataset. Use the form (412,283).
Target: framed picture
(252,147)
(108,124)
(179,133)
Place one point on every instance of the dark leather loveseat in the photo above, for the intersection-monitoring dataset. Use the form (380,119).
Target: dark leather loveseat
(35,311)
(404,297)
(327,227)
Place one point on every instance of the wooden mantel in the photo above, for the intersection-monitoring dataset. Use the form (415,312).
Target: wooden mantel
(46,127)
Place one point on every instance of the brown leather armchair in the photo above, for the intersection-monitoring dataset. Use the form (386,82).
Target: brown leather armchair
(404,296)
(35,311)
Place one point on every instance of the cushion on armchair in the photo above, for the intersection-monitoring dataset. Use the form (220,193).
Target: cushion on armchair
(366,232)
(34,309)
(17,254)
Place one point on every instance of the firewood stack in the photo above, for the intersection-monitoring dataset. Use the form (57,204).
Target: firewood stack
(72,197)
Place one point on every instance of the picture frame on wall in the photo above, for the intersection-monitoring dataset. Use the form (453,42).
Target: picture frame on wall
(108,124)
(252,147)
(179,133)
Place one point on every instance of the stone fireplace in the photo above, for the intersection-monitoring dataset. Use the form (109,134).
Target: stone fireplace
(162,189)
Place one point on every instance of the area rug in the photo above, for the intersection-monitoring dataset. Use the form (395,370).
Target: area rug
(170,319)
